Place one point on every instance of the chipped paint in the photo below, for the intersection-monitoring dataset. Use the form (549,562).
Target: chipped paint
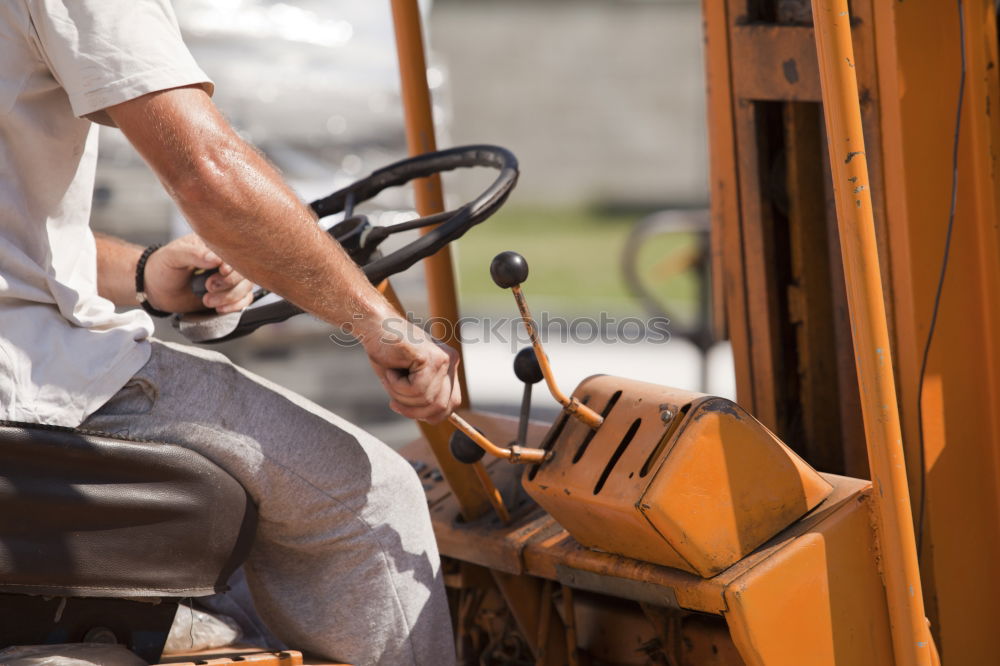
(859,189)
(791,70)
(852,155)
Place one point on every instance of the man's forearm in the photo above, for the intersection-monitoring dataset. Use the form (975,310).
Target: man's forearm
(116,261)
(241,207)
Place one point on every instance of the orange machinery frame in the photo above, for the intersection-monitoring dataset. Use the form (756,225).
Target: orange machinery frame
(780,293)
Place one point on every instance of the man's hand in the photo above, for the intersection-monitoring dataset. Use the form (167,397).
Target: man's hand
(418,373)
(168,279)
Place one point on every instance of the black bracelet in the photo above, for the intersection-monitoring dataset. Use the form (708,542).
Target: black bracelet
(140,283)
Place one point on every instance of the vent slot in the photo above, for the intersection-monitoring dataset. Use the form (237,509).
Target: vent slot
(671,429)
(590,435)
(626,440)
(551,437)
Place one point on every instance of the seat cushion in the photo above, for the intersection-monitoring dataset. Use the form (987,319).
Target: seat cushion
(85,514)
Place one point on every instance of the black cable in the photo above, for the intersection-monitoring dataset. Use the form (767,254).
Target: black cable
(940,285)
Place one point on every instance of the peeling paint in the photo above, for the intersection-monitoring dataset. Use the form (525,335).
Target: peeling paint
(791,70)
(719,406)
(859,189)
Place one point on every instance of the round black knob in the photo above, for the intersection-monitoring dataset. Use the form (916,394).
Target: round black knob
(463,449)
(526,366)
(508,269)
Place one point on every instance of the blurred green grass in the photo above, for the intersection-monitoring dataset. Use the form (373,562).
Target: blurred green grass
(575,260)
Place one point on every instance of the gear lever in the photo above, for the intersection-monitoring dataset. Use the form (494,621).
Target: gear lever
(526,369)
(461,449)
(509,270)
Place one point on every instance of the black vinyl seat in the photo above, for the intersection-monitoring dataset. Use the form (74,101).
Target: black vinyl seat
(89,519)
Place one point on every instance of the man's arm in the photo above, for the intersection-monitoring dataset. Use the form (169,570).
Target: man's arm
(238,203)
(116,261)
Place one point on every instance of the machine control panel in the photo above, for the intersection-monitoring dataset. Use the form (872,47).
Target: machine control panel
(672,477)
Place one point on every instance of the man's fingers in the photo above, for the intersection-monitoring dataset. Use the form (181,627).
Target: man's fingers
(226,278)
(235,306)
(416,383)
(444,401)
(430,413)
(427,389)
(409,402)
(432,408)
(402,391)
(231,300)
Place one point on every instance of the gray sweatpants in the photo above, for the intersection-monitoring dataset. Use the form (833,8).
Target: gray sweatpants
(344,564)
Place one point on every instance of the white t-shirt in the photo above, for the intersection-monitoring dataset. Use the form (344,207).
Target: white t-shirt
(63,349)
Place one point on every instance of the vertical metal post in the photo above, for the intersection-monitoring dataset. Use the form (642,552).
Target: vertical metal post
(419,119)
(894,520)
(442,298)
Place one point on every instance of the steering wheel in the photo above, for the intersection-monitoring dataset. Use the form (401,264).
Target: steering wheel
(361,239)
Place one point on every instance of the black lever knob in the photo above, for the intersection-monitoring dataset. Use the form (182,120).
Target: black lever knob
(199,281)
(508,269)
(526,366)
(463,449)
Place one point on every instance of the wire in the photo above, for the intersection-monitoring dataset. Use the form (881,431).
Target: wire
(940,285)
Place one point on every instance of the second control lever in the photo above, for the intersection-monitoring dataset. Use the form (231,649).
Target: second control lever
(509,270)
(527,370)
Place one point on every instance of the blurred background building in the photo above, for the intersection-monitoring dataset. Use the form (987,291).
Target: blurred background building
(601,100)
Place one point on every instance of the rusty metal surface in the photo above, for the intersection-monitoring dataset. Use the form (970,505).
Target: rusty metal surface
(705,641)
(672,477)
(530,602)
(724,191)
(775,62)
(611,631)
(663,597)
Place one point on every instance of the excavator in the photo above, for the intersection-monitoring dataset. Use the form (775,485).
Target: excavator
(843,510)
